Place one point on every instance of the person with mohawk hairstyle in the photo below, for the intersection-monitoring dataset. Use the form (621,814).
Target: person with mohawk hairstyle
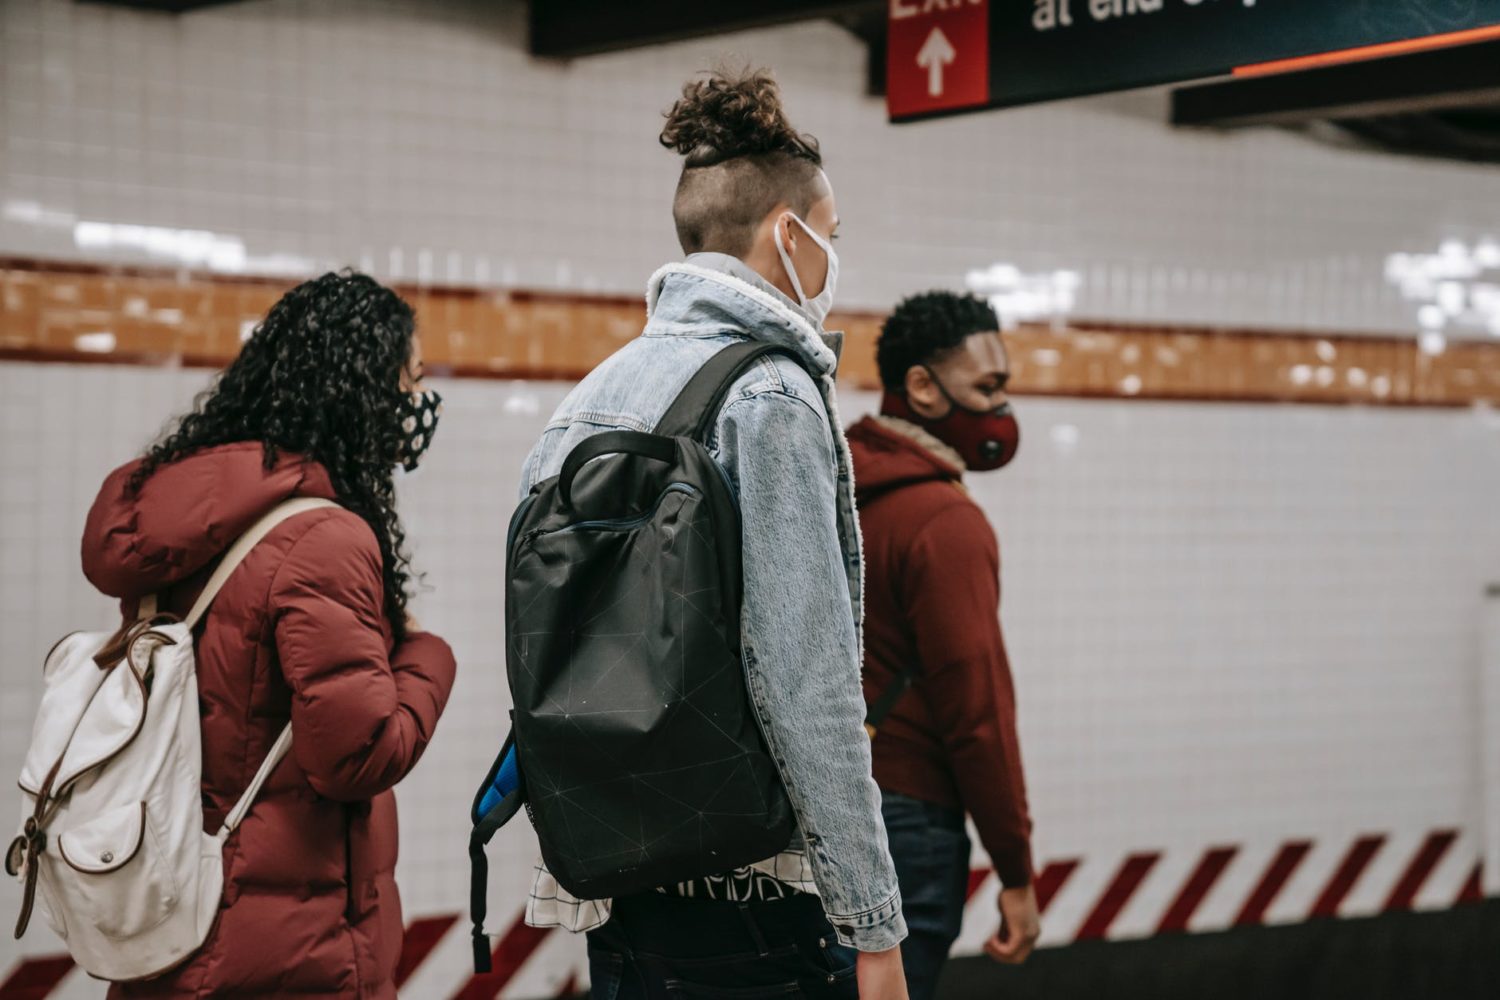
(756,217)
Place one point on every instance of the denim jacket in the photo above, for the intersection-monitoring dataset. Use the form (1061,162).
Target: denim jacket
(780,440)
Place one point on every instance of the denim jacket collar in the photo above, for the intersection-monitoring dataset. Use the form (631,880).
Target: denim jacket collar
(693,297)
(734,267)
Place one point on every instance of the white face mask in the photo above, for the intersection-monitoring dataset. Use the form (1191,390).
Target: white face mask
(816,307)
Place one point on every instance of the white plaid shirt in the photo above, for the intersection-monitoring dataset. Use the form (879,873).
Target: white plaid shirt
(550,905)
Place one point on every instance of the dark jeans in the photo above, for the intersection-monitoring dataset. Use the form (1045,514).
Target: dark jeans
(930,846)
(658,947)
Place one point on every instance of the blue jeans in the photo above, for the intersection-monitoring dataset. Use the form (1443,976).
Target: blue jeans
(659,947)
(930,846)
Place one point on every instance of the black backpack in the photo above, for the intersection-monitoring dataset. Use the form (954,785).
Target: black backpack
(634,744)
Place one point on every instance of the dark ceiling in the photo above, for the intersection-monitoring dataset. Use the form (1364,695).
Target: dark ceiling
(1470,134)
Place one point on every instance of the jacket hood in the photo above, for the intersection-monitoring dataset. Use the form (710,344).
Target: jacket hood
(186,515)
(889,454)
(687,299)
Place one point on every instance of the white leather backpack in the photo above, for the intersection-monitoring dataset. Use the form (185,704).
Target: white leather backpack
(112,817)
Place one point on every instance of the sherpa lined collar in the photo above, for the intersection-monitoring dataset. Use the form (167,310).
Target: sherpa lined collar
(693,295)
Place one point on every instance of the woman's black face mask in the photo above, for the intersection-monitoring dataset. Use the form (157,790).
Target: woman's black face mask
(419,420)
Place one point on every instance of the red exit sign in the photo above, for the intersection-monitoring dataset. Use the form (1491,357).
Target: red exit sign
(937,56)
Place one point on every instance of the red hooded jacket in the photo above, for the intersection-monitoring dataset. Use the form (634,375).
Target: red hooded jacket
(932,598)
(298,633)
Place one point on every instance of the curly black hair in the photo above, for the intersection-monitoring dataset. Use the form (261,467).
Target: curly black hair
(319,377)
(925,327)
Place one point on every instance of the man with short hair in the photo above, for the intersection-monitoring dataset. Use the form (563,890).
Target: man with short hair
(937,681)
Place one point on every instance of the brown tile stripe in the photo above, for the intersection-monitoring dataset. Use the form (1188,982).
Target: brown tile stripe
(160,316)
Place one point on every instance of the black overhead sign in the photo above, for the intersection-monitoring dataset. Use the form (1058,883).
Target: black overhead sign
(1041,50)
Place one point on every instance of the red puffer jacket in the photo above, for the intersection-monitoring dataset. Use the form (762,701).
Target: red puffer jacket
(298,633)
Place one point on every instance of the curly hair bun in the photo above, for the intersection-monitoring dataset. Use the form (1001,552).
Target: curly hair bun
(722,117)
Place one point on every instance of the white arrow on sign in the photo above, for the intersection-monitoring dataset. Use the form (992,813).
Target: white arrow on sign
(936,53)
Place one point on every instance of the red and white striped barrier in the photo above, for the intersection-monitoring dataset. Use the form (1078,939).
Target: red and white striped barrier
(1147,893)
(1137,895)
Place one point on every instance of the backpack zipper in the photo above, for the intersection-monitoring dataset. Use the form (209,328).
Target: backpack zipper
(516,519)
(621,523)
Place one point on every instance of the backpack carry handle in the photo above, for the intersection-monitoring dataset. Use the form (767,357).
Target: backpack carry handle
(650,446)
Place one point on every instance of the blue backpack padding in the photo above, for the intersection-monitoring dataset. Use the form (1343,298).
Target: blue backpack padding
(507,779)
(498,800)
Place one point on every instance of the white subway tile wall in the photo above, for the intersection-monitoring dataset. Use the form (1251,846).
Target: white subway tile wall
(1229,623)
(1233,624)
(420,141)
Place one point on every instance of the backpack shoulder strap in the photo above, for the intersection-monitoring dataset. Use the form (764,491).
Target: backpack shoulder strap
(696,408)
(241,548)
(231,562)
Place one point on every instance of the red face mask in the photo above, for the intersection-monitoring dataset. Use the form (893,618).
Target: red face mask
(984,439)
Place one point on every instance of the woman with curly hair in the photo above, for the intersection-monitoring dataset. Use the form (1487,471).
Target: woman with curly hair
(324,400)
